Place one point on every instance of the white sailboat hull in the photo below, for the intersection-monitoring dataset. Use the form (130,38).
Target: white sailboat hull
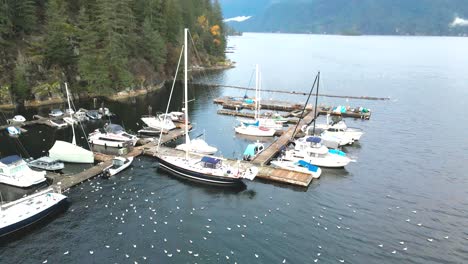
(255,131)
(155,123)
(67,152)
(328,160)
(197,146)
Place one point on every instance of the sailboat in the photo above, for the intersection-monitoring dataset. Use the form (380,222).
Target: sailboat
(70,152)
(197,145)
(260,127)
(209,170)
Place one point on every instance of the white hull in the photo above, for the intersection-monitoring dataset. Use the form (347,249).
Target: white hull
(24,181)
(156,123)
(113,172)
(67,152)
(290,165)
(325,160)
(255,131)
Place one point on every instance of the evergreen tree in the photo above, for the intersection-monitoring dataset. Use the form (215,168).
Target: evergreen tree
(153,44)
(20,85)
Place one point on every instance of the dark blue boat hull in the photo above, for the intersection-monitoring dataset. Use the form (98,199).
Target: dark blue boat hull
(12,229)
(199,177)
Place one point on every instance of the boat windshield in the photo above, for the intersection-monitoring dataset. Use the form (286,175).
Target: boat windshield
(113,128)
(18,169)
(118,162)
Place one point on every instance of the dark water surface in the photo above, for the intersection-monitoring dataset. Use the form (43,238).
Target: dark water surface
(404,201)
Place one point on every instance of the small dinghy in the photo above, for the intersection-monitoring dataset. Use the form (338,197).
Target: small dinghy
(149,131)
(46,163)
(118,164)
(55,113)
(18,119)
(13,131)
(59,123)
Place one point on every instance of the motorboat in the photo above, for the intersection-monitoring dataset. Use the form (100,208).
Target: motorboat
(112,135)
(29,210)
(55,113)
(253,130)
(69,111)
(197,145)
(93,114)
(13,131)
(337,127)
(329,140)
(18,119)
(118,164)
(59,123)
(14,171)
(80,115)
(298,166)
(208,170)
(70,120)
(104,111)
(177,117)
(46,163)
(163,122)
(316,153)
(253,150)
(70,152)
(148,131)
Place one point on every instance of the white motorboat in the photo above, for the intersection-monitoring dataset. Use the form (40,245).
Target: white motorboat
(26,211)
(253,150)
(93,114)
(197,145)
(299,166)
(338,128)
(112,136)
(18,119)
(69,111)
(148,131)
(316,154)
(329,140)
(58,123)
(177,117)
(162,122)
(207,170)
(104,111)
(118,164)
(55,113)
(46,163)
(15,171)
(70,152)
(13,131)
(257,131)
(80,115)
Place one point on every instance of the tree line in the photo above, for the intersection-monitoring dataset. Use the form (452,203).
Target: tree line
(101,46)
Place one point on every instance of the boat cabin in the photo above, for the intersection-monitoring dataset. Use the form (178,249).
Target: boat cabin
(212,163)
(12,165)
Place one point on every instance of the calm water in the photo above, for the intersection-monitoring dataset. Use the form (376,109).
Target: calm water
(404,201)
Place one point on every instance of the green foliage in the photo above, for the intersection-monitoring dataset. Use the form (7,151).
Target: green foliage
(100,46)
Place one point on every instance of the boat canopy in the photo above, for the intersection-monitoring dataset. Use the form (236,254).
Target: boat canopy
(307,165)
(210,160)
(250,150)
(10,159)
(314,139)
(113,128)
(337,152)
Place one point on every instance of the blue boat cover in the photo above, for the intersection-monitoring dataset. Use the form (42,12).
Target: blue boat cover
(249,101)
(251,124)
(314,139)
(250,150)
(210,160)
(307,165)
(10,159)
(337,152)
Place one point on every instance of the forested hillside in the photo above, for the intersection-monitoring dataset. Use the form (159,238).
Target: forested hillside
(100,46)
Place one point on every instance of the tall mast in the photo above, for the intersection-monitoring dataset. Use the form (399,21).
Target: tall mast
(256,91)
(71,115)
(186,90)
(316,101)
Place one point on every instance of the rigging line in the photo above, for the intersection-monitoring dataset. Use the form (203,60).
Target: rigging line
(81,125)
(305,105)
(316,101)
(170,95)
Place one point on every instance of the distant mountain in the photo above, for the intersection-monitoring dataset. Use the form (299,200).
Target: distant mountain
(353,17)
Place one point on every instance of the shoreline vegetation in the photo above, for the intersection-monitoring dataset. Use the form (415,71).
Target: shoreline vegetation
(118,96)
(111,48)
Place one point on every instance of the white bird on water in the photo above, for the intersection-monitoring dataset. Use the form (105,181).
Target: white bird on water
(66,252)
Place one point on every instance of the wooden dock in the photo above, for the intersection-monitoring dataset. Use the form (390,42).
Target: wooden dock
(229,102)
(271,151)
(265,172)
